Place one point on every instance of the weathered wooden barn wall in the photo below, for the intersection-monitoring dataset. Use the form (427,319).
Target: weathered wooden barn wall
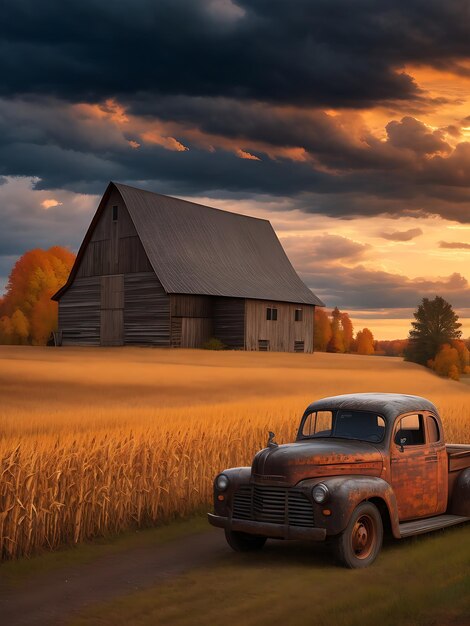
(80,312)
(112,310)
(195,331)
(191,320)
(284,334)
(114,247)
(146,311)
(184,305)
(115,310)
(229,321)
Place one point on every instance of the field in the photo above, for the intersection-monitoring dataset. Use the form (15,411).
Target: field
(97,441)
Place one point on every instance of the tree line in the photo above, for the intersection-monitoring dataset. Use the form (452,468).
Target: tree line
(28,316)
(334,332)
(434,339)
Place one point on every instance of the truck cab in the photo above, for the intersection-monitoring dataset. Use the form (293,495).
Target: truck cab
(361,465)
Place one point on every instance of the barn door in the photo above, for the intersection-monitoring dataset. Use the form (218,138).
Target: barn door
(112,310)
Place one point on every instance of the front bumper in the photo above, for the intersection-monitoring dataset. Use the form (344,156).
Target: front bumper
(277,531)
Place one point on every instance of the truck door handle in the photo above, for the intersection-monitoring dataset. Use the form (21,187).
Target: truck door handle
(431,459)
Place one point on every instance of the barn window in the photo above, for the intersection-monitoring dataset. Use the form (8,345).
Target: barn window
(298,315)
(271,314)
(115,213)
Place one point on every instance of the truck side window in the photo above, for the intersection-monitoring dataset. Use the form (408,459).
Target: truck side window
(433,430)
(410,431)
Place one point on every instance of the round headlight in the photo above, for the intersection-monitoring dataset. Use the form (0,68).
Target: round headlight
(221,482)
(320,493)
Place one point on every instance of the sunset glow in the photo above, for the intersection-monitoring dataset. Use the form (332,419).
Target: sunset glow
(360,160)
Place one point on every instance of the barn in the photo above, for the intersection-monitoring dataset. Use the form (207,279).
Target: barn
(159,271)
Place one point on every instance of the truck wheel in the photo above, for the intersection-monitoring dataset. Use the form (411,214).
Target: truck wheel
(243,542)
(359,544)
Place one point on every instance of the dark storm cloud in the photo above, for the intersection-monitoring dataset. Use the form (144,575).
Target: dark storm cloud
(314,130)
(331,248)
(251,74)
(414,135)
(362,288)
(344,170)
(157,169)
(454,245)
(328,52)
(402,235)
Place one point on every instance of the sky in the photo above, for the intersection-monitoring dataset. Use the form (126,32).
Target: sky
(346,124)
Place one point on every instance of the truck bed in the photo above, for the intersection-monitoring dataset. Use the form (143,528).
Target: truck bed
(459,456)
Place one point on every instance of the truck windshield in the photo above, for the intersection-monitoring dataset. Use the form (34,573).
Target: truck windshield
(362,425)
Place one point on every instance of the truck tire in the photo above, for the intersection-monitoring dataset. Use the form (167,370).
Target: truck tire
(359,544)
(244,542)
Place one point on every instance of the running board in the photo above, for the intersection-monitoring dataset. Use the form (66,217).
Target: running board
(420,526)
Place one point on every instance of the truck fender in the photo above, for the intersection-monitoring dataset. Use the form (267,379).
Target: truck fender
(460,499)
(348,492)
(237,476)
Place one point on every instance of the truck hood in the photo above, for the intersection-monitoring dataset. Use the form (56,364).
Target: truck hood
(312,458)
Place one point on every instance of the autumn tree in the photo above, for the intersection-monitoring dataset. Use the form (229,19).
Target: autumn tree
(435,324)
(336,343)
(348,329)
(322,329)
(27,314)
(447,362)
(464,355)
(395,347)
(365,342)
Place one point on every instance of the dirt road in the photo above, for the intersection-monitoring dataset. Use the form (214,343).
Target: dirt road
(54,598)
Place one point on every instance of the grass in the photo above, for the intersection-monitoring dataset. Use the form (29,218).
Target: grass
(424,580)
(95,442)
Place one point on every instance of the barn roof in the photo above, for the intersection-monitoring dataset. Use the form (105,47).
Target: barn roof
(195,249)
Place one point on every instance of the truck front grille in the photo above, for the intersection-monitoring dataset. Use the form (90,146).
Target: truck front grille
(276,505)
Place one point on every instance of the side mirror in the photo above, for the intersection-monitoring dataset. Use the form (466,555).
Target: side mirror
(402,443)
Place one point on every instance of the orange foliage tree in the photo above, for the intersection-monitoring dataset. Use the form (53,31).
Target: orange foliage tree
(333,334)
(464,355)
(27,313)
(446,362)
(322,334)
(452,360)
(394,347)
(347,327)
(336,343)
(365,342)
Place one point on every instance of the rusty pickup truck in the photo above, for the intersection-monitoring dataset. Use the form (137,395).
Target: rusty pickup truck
(361,465)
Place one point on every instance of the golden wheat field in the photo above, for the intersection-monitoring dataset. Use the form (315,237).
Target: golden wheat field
(97,441)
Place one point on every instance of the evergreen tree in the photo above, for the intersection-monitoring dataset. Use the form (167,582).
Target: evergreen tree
(435,324)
